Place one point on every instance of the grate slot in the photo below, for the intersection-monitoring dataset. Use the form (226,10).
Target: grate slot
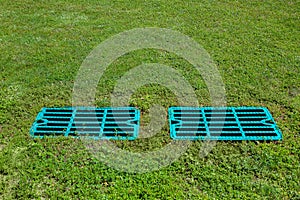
(226,134)
(51,129)
(251,115)
(88,115)
(251,119)
(259,128)
(217,120)
(183,134)
(52,119)
(190,129)
(58,114)
(85,129)
(260,134)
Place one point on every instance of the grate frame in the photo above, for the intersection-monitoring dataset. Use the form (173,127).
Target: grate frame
(118,123)
(239,123)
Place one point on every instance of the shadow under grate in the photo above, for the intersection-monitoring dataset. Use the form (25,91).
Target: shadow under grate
(96,123)
(222,123)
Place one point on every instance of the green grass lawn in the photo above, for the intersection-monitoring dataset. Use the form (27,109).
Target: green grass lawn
(255,45)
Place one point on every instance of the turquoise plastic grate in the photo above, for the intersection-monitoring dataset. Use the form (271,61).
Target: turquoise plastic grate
(222,123)
(96,123)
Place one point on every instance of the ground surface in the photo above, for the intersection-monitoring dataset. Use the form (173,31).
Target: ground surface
(255,45)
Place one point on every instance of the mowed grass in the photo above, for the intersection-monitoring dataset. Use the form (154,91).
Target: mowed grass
(255,45)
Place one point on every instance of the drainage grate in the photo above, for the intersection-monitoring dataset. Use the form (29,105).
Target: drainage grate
(222,123)
(97,123)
